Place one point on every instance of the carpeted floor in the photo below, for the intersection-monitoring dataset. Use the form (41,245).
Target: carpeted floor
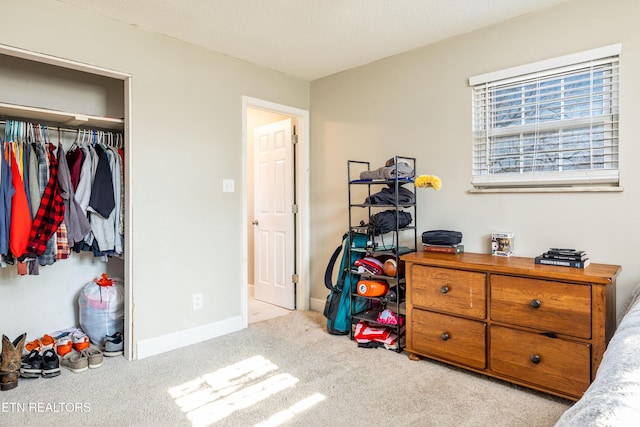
(282,371)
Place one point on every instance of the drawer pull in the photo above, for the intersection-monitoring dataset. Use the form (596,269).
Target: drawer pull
(535,358)
(444,289)
(444,336)
(535,303)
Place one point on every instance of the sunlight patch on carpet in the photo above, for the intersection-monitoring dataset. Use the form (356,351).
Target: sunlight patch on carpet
(214,396)
(293,410)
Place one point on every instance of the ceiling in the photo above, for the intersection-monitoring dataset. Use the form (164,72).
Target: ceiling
(310,39)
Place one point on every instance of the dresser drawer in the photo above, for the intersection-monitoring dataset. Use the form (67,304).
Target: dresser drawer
(552,363)
(451,291)
(446,337)
(545,305)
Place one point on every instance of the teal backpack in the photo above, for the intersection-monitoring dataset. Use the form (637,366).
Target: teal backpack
(337,308)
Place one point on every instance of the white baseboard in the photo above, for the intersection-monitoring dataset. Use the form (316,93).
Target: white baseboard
(179,339)
(317,304)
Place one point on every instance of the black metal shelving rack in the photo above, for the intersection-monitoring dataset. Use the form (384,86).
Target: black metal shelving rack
(403,240)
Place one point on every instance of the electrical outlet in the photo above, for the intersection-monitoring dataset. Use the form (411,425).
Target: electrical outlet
(197,301)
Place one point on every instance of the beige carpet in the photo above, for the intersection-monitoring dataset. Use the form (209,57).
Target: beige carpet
(282,371)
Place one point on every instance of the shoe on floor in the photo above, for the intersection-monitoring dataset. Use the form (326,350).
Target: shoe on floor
(41,344)
(64,346)
(113,345)
(31,366)
(33,345)
(50,364)
(75,362)
(10,361)
(48,342)
(80,341)
(94,356)
(114,337)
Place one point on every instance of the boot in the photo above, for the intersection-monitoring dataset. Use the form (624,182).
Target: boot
(10,361)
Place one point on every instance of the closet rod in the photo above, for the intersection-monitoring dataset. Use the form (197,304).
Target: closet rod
(64,129)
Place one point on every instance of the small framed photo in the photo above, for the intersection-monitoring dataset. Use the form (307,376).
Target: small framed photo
(502,244)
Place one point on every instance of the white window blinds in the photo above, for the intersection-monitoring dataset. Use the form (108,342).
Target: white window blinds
(552,123)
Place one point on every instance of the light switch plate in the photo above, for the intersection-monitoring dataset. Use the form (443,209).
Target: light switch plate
(228,185)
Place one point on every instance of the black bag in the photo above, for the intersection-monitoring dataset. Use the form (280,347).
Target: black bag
(441,237)
(337,308)
(385,221)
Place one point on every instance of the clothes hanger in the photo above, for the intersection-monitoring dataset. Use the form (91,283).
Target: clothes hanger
(30,133)
(75,141)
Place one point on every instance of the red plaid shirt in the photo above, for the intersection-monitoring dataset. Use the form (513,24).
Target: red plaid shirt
(50,213)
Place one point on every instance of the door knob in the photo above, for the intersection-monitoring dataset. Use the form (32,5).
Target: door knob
(254,222)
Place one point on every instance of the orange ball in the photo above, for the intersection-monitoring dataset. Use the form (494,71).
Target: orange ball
(390,267)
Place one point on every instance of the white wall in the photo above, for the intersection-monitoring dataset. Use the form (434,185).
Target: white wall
(419,104)
(186,137)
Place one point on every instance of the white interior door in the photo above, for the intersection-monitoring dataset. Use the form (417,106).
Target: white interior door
(273,214)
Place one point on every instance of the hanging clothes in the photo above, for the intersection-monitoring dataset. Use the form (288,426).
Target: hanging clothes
(51,200)
(34,182)
(102,199)
(50,253)
(118,187)
(6,196)
(20,213)
(26,150)
(77,224)
(51,211)
(74,160)
(102,203)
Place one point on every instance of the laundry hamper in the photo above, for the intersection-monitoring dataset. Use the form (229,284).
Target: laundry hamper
(102,308)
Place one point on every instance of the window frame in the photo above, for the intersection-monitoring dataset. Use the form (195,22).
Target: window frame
(483,135)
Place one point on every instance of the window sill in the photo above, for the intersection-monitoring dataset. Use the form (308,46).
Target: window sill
(577,189)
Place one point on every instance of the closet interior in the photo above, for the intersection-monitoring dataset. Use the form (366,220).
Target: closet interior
(58,117)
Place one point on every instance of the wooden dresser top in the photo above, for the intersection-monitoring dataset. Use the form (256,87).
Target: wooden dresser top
(603,274)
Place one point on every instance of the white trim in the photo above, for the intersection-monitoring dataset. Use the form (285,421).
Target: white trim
(317,304)
(302,197)
(129,349)
(185,337)
(572,189)
(61,62)
(572,177)
(561,61)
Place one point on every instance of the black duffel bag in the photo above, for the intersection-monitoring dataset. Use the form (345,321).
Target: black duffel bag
(385,221)
(441,237)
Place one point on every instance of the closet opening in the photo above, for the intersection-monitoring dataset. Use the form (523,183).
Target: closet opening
(46,101)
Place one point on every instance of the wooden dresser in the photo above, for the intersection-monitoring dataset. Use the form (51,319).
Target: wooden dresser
(544,327)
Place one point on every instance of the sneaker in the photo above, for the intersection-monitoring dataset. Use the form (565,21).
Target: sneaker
(94,356)
(76,362)
(114,337)
(64,346)
(80,341)
(50,364)
(33,345)
(31,366)
(45,343)
(113,345)
(48,343)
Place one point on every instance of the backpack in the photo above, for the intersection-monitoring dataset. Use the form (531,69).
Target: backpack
(337,308)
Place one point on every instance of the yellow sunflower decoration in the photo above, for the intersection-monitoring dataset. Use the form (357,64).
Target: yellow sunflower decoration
(425,181)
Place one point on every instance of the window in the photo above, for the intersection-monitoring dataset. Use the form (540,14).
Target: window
(552,123)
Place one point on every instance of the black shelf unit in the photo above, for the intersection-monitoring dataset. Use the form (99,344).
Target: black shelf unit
(394,244)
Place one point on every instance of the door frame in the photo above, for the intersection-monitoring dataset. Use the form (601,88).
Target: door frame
(301,195)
